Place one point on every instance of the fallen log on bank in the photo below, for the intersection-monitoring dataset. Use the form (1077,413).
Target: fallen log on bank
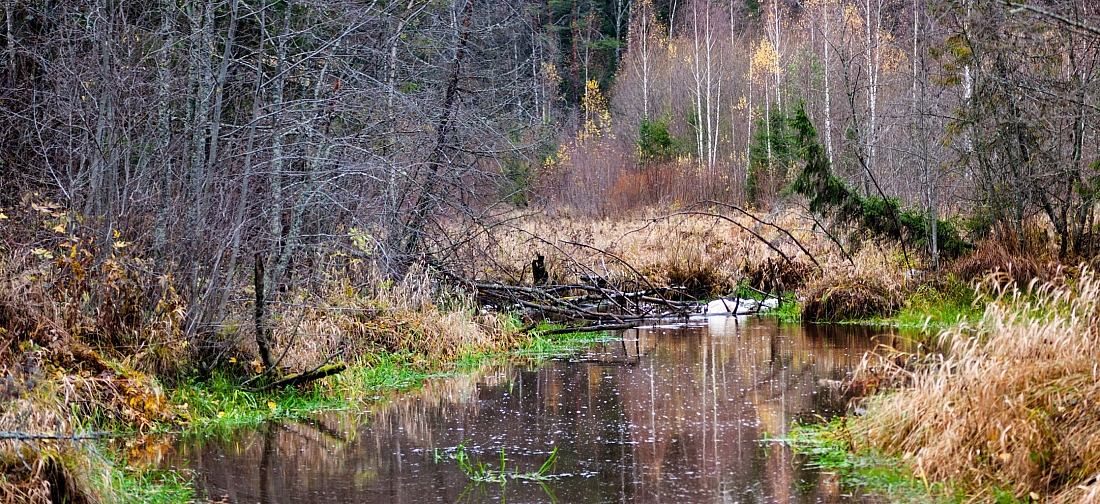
(314,374)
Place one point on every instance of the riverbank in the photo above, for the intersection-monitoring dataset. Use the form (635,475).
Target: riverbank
(667,410)
(1006,414)
(123,465)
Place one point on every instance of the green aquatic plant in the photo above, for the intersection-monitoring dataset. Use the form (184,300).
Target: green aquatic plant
(480,472)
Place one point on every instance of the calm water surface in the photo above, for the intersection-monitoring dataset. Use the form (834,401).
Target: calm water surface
(673,414)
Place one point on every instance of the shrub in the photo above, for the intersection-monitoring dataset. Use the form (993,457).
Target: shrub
(849,299)
(654,142)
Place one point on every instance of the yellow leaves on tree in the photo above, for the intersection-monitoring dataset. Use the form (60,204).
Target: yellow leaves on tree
(597,118)
(764,61)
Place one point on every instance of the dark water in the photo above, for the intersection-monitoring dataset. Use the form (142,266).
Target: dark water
(673,414)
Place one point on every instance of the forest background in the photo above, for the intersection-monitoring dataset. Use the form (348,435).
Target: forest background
(203,133)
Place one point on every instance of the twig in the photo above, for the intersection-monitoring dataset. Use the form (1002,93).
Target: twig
(624,263)
(592,328)
(765,223)
(738,224)
(1016,6)
(321,371)
(23,436)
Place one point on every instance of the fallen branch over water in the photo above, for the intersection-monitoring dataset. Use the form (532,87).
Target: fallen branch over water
(589,302)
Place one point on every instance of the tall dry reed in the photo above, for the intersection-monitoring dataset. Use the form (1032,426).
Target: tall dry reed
(1015,403)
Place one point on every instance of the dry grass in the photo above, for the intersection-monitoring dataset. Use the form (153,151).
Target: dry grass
(55,470)
(416,316)
(775,274)
(851,298)
(994,257)
(1014,404)
(707,254)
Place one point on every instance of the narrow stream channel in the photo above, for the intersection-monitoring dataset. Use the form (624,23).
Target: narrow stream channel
(672,414)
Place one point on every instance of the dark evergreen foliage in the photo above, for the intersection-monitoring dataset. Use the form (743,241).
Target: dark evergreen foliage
(770,157)
(654,142)
(880,217)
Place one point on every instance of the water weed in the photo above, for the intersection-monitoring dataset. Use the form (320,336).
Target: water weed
(480,472)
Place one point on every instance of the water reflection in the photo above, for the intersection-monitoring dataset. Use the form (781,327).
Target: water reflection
(666,414)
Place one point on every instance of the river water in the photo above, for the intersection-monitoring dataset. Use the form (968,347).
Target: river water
(674,414)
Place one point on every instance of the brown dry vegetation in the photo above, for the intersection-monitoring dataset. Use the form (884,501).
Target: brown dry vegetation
(706,253)
(88,333)
(851,299)
(1014,402)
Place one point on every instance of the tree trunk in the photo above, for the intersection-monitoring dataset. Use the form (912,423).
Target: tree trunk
(262,331)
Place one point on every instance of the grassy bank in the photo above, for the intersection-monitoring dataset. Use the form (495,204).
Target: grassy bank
(1006,414)
(219,404)
(831,448)
(89,471)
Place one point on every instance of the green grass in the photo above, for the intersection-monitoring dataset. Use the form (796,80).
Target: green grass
(480,472)
(151,485)
(540,348)
(119,481)
(828,447)
(789,310)
(932,309)
(220,405)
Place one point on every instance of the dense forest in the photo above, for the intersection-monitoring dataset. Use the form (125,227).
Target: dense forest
(205,132)
(163,165)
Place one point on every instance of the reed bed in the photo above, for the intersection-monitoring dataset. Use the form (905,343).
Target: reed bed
(1014,403)
(706,253)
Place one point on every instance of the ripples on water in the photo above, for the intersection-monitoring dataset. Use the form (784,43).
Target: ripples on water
(671,414)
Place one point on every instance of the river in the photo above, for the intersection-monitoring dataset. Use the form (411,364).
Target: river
(678,413)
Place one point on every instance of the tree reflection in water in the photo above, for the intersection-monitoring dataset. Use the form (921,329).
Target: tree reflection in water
(667,414)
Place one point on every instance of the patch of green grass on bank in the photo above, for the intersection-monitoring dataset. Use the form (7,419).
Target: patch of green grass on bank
(148,485)
(746,292)
(828,447)
(933,309)
(220,404)
(789,310)
(544,347)
(116,480)
(383,372)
